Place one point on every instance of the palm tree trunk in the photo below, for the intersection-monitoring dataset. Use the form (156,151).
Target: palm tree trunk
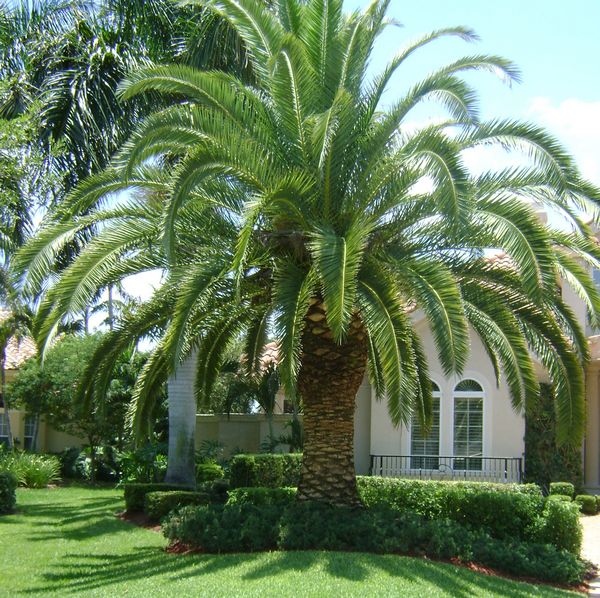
(329,379)
(181,466)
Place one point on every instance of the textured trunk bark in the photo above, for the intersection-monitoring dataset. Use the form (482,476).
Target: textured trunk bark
(329,379)
(181,466)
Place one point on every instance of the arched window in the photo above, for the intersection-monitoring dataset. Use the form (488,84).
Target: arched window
(468,425)
(425,449)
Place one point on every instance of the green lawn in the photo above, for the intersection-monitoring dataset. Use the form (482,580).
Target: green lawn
(67,541)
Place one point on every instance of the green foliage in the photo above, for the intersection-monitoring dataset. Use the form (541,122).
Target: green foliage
(562,488)
(217,490)
(545,460)
(160,503)
(208,472)
(587,504)
(8,486)
(503,510)
(146,464)
(268,470)
(31,470)
(262,496)
(135,494)
(308,526)
(559,524)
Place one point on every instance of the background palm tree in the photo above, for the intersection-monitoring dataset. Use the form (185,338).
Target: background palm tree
(297,200)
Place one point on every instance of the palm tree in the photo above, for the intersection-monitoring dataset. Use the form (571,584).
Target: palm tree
(299,201)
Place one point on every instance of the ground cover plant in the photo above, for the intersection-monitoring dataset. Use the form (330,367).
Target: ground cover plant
(66,541)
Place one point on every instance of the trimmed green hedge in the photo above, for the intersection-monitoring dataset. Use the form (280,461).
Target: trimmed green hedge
(262,496)
(135,493)
(562,489)
(8,496)
(558,525)
(268,470)
(208,472)
(159,504)
(314,526)
(587,504)
(503,510)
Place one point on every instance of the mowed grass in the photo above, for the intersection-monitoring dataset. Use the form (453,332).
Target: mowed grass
(67,541)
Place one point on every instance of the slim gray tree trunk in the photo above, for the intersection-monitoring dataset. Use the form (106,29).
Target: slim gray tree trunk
(181,466)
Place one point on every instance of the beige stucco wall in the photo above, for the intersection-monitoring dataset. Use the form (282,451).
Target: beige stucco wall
(591,447)
(503,428)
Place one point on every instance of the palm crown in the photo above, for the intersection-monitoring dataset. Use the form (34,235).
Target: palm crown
(299,204)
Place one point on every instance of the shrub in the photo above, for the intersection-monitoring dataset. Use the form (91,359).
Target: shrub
(314,526)
(217,490)
(207,472)
(135,494)
(559,524)
(8,497)
(504,510)
(560,497)
(262,496)
(269,470)
(31,470)
(229,528)
(158,504)
(598,503)
(587,504)
(564,488)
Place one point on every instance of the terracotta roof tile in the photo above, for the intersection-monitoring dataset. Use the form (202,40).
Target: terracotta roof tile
(18,351)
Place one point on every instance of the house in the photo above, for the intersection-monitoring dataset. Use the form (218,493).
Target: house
(476,433)
(18,351)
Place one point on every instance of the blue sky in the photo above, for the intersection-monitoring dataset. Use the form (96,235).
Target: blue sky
(556,45)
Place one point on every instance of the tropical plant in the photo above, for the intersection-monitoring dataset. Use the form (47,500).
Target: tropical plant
(300,201)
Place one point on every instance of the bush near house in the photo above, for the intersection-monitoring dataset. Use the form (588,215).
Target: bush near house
(559,524)
(31,470)
(8,496)
(135,494)
(262,496)
(268,470)
(159,504)
(562,488)
(208,472)
(301,526)
(587,504)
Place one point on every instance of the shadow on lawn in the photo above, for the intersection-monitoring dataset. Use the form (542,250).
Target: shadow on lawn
(79,572)
(87,518)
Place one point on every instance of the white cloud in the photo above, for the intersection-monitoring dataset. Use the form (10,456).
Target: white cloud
(576,123)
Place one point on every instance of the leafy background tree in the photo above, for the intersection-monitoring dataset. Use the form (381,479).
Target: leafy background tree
(48,390)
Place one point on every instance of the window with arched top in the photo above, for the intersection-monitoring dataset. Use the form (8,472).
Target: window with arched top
(425,448)
(468,425)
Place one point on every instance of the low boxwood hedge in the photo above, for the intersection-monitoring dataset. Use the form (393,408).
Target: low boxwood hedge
(314,526)
(8,496)
(208,472)
(503,510)
(262,496)
(159,504)
(587,504)
(563,488)
(135,493)
(268,470)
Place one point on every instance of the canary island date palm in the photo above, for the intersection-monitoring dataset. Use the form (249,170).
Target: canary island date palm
(299,206)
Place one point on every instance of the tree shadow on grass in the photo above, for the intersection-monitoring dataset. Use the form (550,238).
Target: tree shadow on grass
(79,572)
(90,517)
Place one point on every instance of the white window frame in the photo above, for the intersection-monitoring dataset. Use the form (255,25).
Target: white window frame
(3,427)
(436,394)
(474,395)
